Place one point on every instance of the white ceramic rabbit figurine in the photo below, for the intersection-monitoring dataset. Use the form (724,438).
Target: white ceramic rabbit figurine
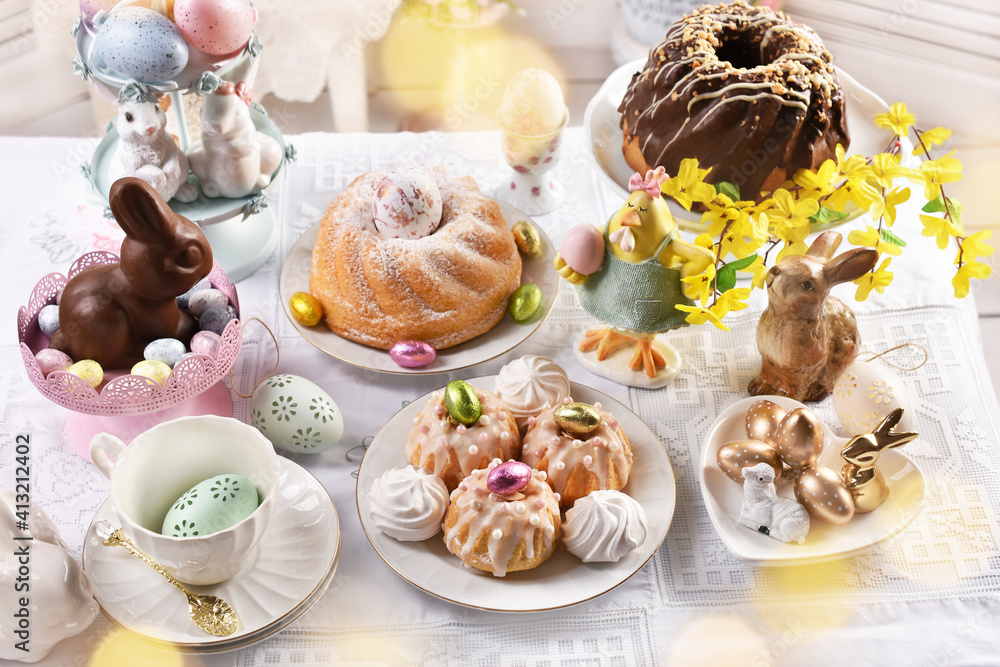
(146,151)
(232,159)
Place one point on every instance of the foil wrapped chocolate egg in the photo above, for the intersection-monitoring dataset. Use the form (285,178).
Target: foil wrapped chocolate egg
(508,478)
(525,302)
(799,438)
(577,419)
(732,457)
(762,420)
(412,353)
(462,402)
(824,495)
(305,308)
(527,238)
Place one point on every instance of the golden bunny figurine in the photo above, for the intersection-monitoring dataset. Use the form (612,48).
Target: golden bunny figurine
(866,482)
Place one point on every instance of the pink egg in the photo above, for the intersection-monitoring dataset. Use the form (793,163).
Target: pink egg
(412,353)
(215,27)
(50,360)
(206,342)
(508,478)
(583,249)
(90,7)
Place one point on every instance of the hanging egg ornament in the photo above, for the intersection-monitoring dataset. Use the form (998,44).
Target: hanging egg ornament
(296,415)
(525,302)
(577,419)
(527,238)
(732,457)
(865,393)
(412,353)
(799,438)
(762,421)
(462,402)
(215,27)
(824,495)
(138,43)
(508,478)
(305,308)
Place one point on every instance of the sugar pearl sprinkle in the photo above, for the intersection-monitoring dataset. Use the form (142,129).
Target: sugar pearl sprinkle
(473,450)
(461,429)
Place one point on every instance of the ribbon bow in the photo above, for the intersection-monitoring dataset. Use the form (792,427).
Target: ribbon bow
(241,90)
(651,183)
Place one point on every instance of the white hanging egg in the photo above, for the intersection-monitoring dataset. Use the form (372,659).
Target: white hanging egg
(865,393)
(296,415)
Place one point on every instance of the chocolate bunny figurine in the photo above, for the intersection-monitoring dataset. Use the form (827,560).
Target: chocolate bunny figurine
(866,482)
(806,338)
(109,313)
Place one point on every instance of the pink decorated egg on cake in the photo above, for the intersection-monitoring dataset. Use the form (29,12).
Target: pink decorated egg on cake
(407,204)
(215,27)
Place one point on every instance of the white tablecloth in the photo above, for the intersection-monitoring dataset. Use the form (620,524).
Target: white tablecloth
(930,596)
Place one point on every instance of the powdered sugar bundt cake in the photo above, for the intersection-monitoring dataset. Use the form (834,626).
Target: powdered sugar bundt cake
(385,270)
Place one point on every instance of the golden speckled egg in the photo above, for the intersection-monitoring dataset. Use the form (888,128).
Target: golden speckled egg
(524,302)
(762,420)
(527,238)
(153,369)
(306,309)
(462,402)
(799,438)
(89,371)
(577,419)
(732,457)
(824,495)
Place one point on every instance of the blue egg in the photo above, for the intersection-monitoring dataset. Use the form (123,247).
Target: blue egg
(48,320)
(167,350)
(141,44)
(216,319)
(205,299)
(184,299)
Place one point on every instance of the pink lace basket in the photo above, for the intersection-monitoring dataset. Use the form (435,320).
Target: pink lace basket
(126,394)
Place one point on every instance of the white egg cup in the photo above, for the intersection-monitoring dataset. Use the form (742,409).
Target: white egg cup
(532,187)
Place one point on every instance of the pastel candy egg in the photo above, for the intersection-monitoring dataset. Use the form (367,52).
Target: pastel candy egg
(205,299)
(583,249)
(407,204)
(156,371)
(734,456)
(141,44)
(48,319)
(215,504)
(184,299)
(462,402)
(525,302)
(89,371)
(509,477)
(296,415)
(206,342)
(799,439)
(215,27)
(305,308)
(216,319)
(166,350)
(527,238)
(865,393)
(824,495)
(50,360)
(412,353)
(762,420)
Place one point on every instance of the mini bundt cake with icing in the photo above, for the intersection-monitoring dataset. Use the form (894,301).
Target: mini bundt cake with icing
(749,93)
(451,450)
(581,448)
(386,269)
(504,518)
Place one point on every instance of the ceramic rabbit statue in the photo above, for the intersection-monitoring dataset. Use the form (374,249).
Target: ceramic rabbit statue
(146,151)
(805,337)
(864,480)
(232,159)
(109,313)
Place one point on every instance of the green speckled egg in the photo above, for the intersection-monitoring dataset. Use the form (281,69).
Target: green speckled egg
(462,402)
(577,419)
(215,504)
(296,415)
(524,302)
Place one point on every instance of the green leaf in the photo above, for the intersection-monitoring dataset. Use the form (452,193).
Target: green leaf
(935,205)
(956,208)
(825,215)
(725,279)
(743,263)
(889,237)
(731,190)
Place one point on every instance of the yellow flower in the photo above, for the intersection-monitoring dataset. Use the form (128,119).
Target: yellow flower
(934,173)
(851,166)
(705,240)
(886,208)
(732,299)
(792,248)
(964,274)
(689,186)
(930,138)
(721,211)
(973,246)
(863,193)
(870,238)
(898,119)
(816,184)
(885,167)
(700,315)
(759,270)
(876,280)
(941,228)
(699,286)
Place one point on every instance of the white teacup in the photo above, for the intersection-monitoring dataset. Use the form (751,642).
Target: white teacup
(159,465)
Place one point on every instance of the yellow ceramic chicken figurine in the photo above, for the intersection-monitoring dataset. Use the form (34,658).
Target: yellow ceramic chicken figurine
(628,275)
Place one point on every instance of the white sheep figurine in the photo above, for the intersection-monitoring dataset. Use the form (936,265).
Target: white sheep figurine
(766,512)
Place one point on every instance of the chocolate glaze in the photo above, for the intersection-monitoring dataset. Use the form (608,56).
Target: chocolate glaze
(110,313)
(749,93)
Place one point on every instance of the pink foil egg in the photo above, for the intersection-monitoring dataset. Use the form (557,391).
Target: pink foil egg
(583,249)
(215,27)
(508,478)
(206,342)
(412,353)
(50,360)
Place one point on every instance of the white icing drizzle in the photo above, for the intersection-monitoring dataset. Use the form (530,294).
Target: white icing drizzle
(604,526)
(408,503)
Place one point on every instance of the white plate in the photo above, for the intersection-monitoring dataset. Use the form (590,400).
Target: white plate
(505,336)
(298,557)
(724,498)
(602,128)
(560,581)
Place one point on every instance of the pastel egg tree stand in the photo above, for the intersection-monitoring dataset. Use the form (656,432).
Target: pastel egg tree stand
(242,231)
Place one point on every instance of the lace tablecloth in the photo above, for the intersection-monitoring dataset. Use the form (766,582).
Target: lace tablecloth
(931,595)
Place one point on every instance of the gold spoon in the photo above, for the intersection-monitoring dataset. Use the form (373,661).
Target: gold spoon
(210,613)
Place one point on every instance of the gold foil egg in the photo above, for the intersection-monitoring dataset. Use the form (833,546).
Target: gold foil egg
(577,419)
(529,242)
(153,369)
(824,495)
(799,438)
(524,302)
(89,371)
(762,420)
(462,402)
(306,309)
(732,457)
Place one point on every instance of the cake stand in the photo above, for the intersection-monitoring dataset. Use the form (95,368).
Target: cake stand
(242,231)
(126,405)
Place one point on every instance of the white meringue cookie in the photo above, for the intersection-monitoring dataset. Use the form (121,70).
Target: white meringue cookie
(530,384)
(604,526)
(408,503)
